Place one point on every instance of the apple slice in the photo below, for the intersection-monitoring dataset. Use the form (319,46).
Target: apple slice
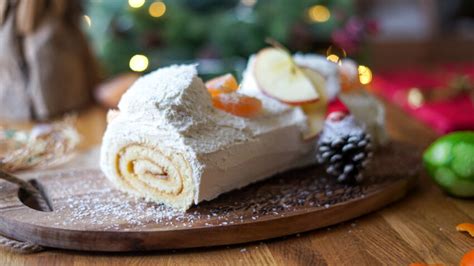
(279,77)
(316,112)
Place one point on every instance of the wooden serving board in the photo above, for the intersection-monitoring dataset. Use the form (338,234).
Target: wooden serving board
(89,214)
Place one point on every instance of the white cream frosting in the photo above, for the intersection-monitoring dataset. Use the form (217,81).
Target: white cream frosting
(171,108)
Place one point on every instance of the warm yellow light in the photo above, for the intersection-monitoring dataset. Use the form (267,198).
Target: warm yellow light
(157,9)
(338,51)
(88,20)
(136,3)
(248,2)
(319,13)
(415,98)
(333,58)
(365,74)
(138,63)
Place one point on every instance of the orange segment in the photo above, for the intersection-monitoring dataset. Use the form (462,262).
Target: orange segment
(349,76)
(467,259)
(222,84)
(347,84)
(237,104)
(466,227)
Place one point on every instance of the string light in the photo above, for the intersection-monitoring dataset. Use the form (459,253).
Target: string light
(88,20)
(136,3)
(333,58)
(365,74)
(248,3)
(157,9)
(335,54)
(138,63)
(319,13)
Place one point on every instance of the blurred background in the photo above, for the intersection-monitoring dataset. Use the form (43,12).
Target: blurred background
(417,54)
(141,35)
(406,66)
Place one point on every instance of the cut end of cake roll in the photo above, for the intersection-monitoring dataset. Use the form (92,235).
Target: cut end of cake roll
(143,151)
(159,176)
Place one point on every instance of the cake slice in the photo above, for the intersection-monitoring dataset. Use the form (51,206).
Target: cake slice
(169,144)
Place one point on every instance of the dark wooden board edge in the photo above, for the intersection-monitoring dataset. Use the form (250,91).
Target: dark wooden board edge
(298,222)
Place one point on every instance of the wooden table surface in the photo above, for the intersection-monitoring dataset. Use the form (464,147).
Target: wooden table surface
(419,228)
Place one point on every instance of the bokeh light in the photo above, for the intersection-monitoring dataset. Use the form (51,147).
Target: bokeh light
(136,3)
(157,9)
(87,20)
(248,3)
(138,63)
(335,51)
(319,13)
(333,58)
(415,98)
(365,74)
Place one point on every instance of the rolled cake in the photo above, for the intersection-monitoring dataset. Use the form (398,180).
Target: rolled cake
(170,145)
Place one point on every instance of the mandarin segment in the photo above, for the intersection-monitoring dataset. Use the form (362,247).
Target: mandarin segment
(466,227)
(349,76)
(347,84)
(467,259)
(238,104)
(222,84)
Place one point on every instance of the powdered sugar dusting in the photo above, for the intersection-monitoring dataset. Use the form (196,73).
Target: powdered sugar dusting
(118,212)
(89,203)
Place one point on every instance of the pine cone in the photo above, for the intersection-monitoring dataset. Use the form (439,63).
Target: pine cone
(345,149)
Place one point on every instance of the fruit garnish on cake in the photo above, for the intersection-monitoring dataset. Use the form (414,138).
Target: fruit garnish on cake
(224,97)
(278,76)
(179,141)
(222,84)
(343,146)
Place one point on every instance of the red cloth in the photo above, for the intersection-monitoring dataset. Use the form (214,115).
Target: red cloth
(443,116)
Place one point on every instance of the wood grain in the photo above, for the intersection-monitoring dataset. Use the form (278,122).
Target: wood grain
(376,239)
(87,216)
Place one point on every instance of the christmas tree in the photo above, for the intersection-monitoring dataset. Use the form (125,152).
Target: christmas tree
(142,35)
